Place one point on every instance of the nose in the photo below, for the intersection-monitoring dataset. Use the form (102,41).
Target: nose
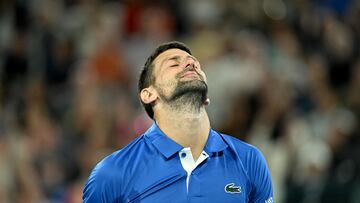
(189,63)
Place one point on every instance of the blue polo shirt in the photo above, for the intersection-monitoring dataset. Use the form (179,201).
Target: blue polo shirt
(149,169)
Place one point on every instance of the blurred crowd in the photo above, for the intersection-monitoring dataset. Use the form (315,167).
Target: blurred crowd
(283,75)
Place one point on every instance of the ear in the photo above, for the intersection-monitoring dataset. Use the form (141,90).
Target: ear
(148,95)
(207,102)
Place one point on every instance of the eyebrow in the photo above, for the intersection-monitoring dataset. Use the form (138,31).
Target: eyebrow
(177,58)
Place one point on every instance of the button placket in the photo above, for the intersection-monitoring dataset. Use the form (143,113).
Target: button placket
(183,155)
(189,165)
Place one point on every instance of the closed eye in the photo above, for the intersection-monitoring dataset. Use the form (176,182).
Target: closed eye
(174,65)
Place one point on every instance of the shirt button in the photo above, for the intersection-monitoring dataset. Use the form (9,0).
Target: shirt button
(183,155)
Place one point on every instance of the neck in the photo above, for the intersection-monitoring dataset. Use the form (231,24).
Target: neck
(188,127)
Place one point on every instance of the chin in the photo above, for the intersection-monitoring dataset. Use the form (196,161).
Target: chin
(192,87)
(192,84)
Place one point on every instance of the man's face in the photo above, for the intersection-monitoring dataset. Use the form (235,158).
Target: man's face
(178,73)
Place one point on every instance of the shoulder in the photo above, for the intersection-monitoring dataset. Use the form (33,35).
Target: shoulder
(108,176)
(116,162)
(250,157)
(242,149)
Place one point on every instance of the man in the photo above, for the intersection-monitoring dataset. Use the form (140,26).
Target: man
(179,158)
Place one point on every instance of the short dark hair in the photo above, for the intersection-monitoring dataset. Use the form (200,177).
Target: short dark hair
(146,76)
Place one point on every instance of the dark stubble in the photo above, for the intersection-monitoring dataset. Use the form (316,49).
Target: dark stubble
(187,95)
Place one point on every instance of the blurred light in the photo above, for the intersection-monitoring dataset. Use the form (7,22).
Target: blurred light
(274,9)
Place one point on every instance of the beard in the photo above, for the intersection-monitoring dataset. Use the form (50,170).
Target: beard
(189,95)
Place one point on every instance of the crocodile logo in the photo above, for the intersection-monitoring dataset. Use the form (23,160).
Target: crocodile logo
(231,188)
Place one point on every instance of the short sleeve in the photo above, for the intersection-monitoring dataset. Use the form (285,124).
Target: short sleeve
(262,191)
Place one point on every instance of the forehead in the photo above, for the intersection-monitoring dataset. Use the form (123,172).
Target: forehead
(168,54)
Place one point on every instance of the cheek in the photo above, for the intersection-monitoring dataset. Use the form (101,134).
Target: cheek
(169,76)
(166,82)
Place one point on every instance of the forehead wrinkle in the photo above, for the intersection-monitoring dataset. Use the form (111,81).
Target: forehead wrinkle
(173,56)
(176,58)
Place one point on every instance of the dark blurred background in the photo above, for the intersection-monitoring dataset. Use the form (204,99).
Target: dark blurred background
(283,75)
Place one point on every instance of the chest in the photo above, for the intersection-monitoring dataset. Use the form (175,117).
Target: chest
(217,179)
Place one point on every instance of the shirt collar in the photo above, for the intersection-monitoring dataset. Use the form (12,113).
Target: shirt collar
(169,147)
(163,143)
(215,143)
